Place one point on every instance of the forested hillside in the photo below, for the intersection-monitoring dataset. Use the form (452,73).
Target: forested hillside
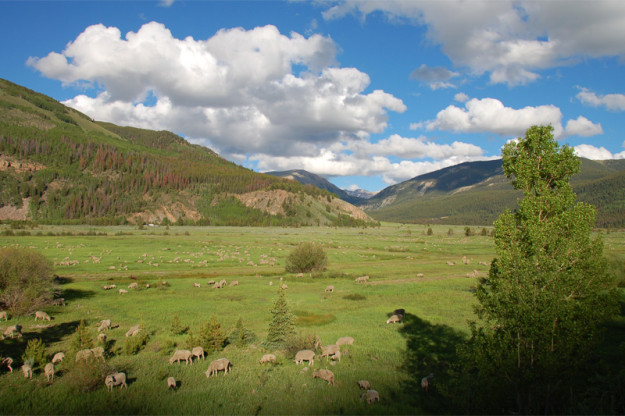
(57,165)
(476,193)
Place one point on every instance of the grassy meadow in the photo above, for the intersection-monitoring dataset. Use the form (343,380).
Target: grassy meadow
(438,306)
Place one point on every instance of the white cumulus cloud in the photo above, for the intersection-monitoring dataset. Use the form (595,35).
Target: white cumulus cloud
(596,153)
(512,40)
(236,92)
(614,102)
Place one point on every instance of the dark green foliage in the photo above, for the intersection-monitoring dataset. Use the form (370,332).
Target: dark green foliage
(297,342)
(176,326)
(82,338)
(35,353)
(211,336)
(430,232)
(136,343)
(355,296)
(87,375)
(306,257)
(547,292)
(26,282)
(241,336)
(282,322)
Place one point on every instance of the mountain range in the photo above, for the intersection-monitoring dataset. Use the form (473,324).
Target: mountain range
(59,166)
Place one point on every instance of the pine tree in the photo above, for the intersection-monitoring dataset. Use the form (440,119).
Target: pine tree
(211,336)
(282,324)
(548,289)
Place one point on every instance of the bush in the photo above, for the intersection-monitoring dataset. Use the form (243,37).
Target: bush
(89,375)
(26,282)
(35,353)
(298,342)
(306,257)
(136,343)
(176,326)
(211,337)
(82,338)
(241,336)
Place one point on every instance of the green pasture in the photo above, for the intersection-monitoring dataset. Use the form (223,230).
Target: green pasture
(438,306)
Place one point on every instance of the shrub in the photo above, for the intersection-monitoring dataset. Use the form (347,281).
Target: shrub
(26,282)
(136,343)
(241,336)
(176,326)
(35,353)
(82,338)
(89,375)
(306,257)
(430,231)
(211,337)
(298,342)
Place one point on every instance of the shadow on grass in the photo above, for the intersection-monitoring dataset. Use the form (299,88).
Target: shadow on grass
(16,347)
(72,295)
(429,349)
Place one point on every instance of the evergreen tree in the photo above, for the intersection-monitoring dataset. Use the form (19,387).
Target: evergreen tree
(547,289)
(282,324)
(211,336)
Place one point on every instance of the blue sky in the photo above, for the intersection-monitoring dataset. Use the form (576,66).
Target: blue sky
(364,93)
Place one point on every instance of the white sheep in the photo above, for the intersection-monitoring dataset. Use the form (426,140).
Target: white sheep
(328,350)
(27,369)
(85,354)
(134,330)
(284,286)
(42,315)
(450,263)
(305,355)
(122,291)
(361,279)
(393,319)
(49,371)
(104,325)
(270,283)
(364,384)
(185,355)
(234,283)
(171,383)
(345,341)
(58,357)
(7,361)
(9,332)
(371,396)
(117,379)
(101,338)
(427,381)
(97,352)
(326,375)
(222,364)
(198,352)
(268,358)
(133,285)
(330,288)
(3,314)
(197,285)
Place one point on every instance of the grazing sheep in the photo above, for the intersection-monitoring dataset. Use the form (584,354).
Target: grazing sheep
(234,283)
(3,314)
(268,358)
(450,263)
(270,283)
(171,383)
(393,319)
(181,355)
(197,285)
(361,279)
(133,331)
(101,338)
(329,350)
(84,355)
(345,341)
(223,282)
(326,375)
(399,312)
(284,286)
(198,352)
(221,364)
(98,352)
(133,285)
(122,291)
(7,361)
(419,274)
(42,315)
(109,287)
(104,325)
(305,355)
(49,371)
(58,357)
(371,396)
(465,260)
(427,381)
(9,332)
(329,289)
(474,273)
(483,263)
(364,384)
(117,379)
(210,282)
(27,369)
